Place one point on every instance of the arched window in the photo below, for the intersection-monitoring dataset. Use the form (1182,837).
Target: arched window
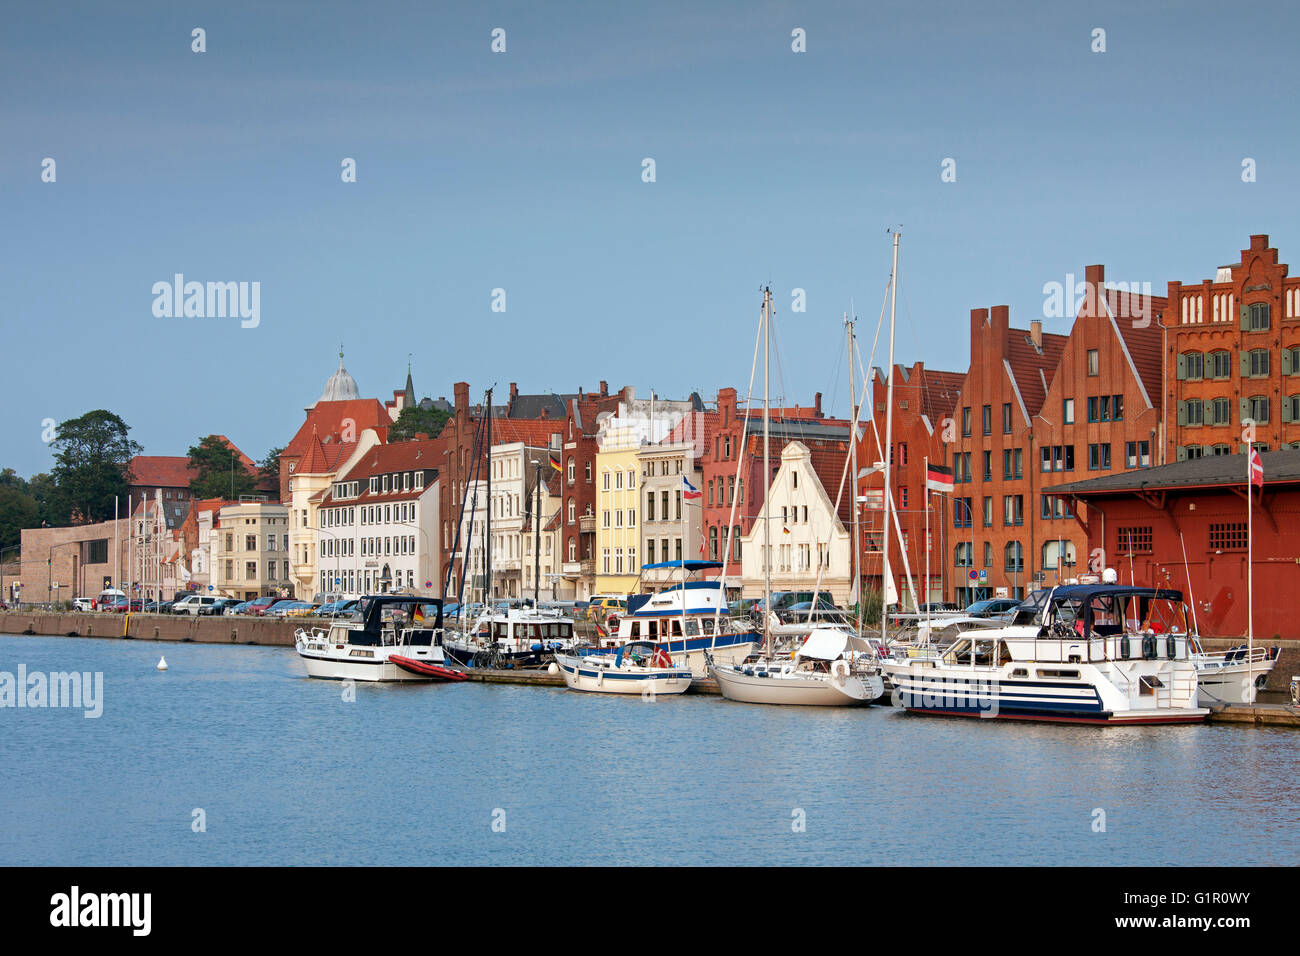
(572,466)
(572,510)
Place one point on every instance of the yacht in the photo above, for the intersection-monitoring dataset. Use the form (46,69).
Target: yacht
(690,621)
(1094,654)
(389,637)
(511,637)
(825,671)
(639,667)
(1234,676)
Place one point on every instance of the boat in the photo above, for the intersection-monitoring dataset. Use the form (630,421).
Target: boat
(824,672)
(1234,676)
(511,637)
(389,637)
(689,621)
(1093,654)
(638,667)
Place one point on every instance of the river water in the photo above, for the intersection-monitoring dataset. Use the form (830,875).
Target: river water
(234,756)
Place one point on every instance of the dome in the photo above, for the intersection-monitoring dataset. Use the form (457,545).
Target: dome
(341,386)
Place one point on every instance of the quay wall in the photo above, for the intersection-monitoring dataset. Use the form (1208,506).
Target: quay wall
(152,627)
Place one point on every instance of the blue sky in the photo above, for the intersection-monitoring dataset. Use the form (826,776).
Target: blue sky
(522,171)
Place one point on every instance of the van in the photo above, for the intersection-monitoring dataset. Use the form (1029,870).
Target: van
(194,604)
(603,605)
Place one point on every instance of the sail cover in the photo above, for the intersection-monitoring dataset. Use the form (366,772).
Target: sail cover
(824,644)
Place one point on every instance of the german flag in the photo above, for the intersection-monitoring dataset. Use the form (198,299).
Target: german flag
(939,478)
(555,461)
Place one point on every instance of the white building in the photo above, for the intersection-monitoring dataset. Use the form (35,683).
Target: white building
(809,544)
(666,513)
(517,470)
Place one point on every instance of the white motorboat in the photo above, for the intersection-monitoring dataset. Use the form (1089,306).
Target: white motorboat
(689,621)
(389,637)
(1234,676)
(639,667)
(1096,654)
(825,672)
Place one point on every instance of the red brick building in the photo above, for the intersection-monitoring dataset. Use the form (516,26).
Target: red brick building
(1232,353)
(1143,521)
(924,400)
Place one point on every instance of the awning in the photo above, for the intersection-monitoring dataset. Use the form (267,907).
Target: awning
(689,565)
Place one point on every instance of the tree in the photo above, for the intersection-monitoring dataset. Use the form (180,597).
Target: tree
(220,472)
(414,420)
(268,469)
(18,509)
(92,466)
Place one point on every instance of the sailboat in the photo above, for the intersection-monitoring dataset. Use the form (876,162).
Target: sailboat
(826,670)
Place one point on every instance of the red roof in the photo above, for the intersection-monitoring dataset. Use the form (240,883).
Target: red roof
(829,465)
(1027,362)
(330,421)
(162,471)
(401,456)
(534,432)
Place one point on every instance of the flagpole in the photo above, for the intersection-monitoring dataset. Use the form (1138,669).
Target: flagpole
(927,543)
(1250,575)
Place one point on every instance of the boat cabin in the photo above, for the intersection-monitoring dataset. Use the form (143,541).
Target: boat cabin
(391,619)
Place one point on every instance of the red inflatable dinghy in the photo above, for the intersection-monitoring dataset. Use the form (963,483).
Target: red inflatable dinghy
(427,668)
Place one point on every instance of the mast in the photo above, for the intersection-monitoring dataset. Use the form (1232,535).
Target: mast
(856,583)
(537,539)
(487,533)
(767,475)
(889,442)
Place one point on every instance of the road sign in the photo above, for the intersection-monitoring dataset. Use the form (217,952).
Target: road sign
(338,581)
(209,587)
(984,574)
(974,575)
(428,584)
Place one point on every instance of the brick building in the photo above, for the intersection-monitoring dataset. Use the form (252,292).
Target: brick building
(1232,352)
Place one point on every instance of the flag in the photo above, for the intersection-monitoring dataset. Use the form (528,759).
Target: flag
(418,616)
(689,492)
(938,478)
(785,530)
(555,461)
(1256,469)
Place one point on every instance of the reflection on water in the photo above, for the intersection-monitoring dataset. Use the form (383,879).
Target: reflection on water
(286,772)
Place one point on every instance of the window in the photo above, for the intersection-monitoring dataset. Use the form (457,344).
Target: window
(1191,412)
(1117,408)
(1220,413)
(650,506)
(1056,553)
(1092,362)
(961,512)
(988,511)
(963,555)
(1067,411)
(965,422)
(1014,555)
(1219,365)
(1291,408)
(1006,418)
(1099,457)
(1137,454)
(604,481)
(1228,536)
(986,418)
(1093,414)
(1052,507)
(1255,363)
(1256,407)
(1133,540)
(250,542)
(1290,361)
(1013,463)
(988,465)
(902,501)
(1191,366)
(588,471)
(1255,317)
(1013,510)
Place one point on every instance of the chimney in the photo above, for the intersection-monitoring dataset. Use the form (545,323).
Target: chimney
(1036,333)
(544,413)
(1094,278)
(514,392)
(817,405)
(461,391)
(604,389)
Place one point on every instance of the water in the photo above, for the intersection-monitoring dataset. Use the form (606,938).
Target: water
(286,772)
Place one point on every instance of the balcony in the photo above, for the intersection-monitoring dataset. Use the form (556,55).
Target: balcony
(587,524)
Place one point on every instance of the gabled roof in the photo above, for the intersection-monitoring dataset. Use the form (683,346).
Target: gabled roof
(329,420)
(535,433)
(162,471)
(1027,361)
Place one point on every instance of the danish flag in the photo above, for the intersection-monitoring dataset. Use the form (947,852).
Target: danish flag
(1256,469)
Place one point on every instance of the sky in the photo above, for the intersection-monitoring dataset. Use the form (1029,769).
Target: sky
(522,171)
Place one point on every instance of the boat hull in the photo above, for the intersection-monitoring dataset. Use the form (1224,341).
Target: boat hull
(802,691)
(694,652)
(582,674)
(1231,683)
(377,670)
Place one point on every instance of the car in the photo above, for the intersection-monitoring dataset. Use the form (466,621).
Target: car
(193,604)
(260,606)
(83,604)
(218,607)
(124,606)
(285,608)
(236,609)
(602,606)
(991,607)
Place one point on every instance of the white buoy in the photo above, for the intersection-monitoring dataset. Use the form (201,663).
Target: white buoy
(553,669)
(162,663)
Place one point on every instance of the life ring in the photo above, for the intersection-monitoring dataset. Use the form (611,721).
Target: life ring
(661,658)
(840,672)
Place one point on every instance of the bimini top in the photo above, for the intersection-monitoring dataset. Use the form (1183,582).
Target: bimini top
(1084,592)
(688,565)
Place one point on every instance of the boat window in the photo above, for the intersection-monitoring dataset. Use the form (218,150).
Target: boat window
(1056,672)
(708,625)
(692,627)
(565,629)
(1020,672)
(1148,685)
(1004,653)
(636,629)
(499,629)
(677,628)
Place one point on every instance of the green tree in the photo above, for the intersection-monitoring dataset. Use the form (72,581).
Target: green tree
(415,420)
(268,469)
(220,472)
(18,510)
(92,466)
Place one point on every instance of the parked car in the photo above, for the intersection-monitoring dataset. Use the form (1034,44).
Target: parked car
(194,604)
(123,606)
(291,609)
(218,607)
(158,607)
(83,604)
(260,606)
(602,606)
(236,609)
(991,607)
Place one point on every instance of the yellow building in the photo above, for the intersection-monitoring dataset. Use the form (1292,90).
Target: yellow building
(617,531)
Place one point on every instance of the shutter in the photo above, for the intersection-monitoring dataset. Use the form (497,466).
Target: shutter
(1287,355)
(1182,366)
(1182,413)
(1245,364)
(1286,410)
(1207,451)
(1245,409)
(1245,315)
(1182,453)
